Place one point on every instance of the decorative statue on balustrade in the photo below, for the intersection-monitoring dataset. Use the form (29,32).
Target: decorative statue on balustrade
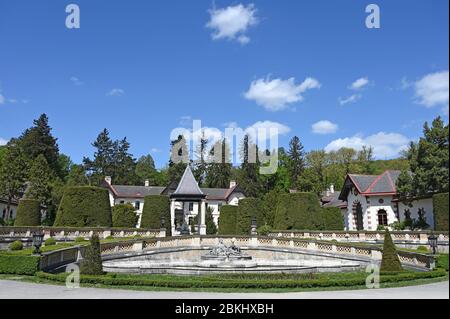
(222,251)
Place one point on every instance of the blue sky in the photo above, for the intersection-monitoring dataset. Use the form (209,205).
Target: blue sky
(143,68)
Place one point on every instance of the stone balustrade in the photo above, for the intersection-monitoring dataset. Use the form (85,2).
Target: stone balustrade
(420,237)
(70,233)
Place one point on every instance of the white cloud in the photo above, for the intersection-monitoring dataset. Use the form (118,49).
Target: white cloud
(155,150)
(351,99)
(275,95)
(3,141)
(232,22)
(116,92)
(2,99)
(266,126)
(359,84)
(324,127)
(76,81)
(385,145)
(432,89)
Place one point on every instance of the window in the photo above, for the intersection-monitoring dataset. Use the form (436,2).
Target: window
(382,217)
(11,212)
(122,202)
(191,207)
(137,205)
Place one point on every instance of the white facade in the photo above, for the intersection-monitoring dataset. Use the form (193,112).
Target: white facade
(374,206)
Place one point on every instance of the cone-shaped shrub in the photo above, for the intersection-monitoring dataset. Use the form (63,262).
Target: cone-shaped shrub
(248,209)
(84,206)
(92,260)
(28,213)
(390,260)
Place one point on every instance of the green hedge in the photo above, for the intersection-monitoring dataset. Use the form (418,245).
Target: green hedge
(440,207)
(19,265)
(332,219)
(247,209)
(84,206)
(205,282)
(298,211)
(28,213)
(390,260)
(156,206)
(227,220)
(124,215)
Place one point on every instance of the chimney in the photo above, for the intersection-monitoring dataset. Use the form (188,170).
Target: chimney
(147,183)
(108,179)
(332,189)
(232,184)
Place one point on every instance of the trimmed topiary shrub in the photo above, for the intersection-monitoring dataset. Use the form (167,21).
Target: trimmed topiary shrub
(50,242)
(440,207)
(227,220)
(124,216)
(92,260)
(390,260)
(16,245)
(332,219)
(423,249)
(19,265)
(28,213)
(84,206)
(264,230)
(247,209)
(156,206)
(298,211)
(211,228)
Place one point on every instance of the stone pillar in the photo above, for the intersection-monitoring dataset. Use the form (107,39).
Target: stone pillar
(202,229)
(172,216)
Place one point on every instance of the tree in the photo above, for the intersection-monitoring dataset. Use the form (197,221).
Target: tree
(28,213)
(38,140)
(13,172)
(155,207)
(218,171)
(314,179)
(211,228)
(40,178)
(179,159)
(365,159)
(145,170)
(77,176)
(248,177)
(200,165)
(92,259)
(124,164)
(296,156)
(428,161)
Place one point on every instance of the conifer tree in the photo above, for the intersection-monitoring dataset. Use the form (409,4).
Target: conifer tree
(92,260)
(390,260)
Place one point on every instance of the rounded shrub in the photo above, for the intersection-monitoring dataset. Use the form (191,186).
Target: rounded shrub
(248,209)
(124,216)
(16,245)
(155,207)
(84,206)
(28,213)
(50,242)
(227,220)
(422,249)
(80,239)
(264,230)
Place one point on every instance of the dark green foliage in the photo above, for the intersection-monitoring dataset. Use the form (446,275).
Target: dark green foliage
(247,209)
(16,245)
(19,265)
(264,230)
(40,178)
(211,228)
(77,176)
(296,159)
(390,260)
(248,174)
(218,171)
(50,242)
(227,220)
(124,216)
(84,206)
(442,262)
(298,211)
(270,202)
(155,207)
(440,206)
(332,219)
(92,260)
(28,213)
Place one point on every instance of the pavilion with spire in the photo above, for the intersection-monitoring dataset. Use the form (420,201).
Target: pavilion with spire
(187,191)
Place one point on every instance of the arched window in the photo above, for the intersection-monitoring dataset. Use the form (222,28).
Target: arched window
(382,217)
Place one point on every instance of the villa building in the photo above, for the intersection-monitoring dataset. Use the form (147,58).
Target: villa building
(372,200)
(187,198)
(4,209)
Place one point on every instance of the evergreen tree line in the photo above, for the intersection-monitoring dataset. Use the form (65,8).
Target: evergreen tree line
(33,165)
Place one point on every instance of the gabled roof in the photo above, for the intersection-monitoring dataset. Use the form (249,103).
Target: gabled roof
(370,185)
(135,191)
(188,186)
